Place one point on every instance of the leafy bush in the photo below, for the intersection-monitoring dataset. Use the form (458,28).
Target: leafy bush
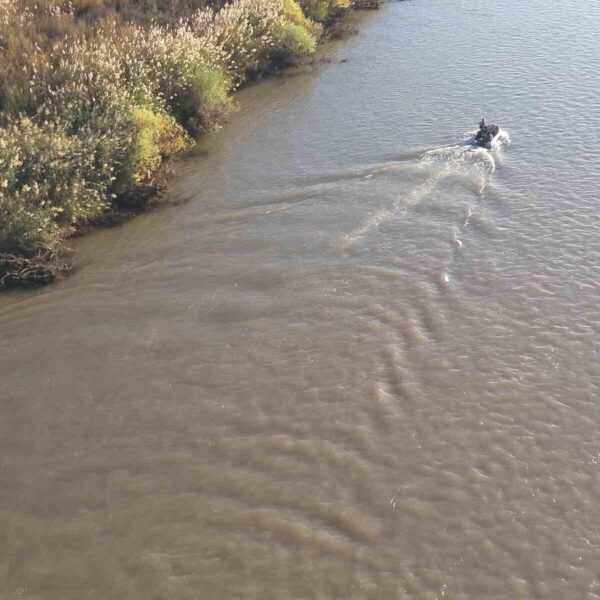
(243,31)
(201,100)
(157,63)
(293,13)
(321,10)
(91,104)
(49,182)
(293,43)
(61,165)
(23,228)
(159,137)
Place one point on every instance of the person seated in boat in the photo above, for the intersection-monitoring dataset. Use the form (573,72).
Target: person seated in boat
(486,132)
(481,134)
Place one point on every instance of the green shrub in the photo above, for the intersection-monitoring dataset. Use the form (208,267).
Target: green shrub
(159,137)
(201,100)
(293,43)
(155,63)
(317,10)
(293,13)
(246,34)
(321,10)
(23,228)
(95,109)
(49,182)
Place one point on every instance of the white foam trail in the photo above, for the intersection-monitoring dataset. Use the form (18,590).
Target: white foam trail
(502,140)
(468,217)
(381,216)
(464,159)
(456,241)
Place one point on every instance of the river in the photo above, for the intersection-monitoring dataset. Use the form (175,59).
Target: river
(356,359)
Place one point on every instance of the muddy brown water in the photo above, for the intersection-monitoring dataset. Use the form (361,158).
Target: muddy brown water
(358,360)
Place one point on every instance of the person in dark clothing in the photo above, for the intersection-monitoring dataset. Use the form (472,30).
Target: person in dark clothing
(486,132)
(482,131)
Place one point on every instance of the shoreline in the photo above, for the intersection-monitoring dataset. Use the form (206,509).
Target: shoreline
(20,270)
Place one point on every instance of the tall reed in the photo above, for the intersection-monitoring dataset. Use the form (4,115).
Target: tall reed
(94,97)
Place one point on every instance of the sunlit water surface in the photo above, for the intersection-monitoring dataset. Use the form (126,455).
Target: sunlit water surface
(360,359)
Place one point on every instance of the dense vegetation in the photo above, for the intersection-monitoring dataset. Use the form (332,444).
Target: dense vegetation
(96,94)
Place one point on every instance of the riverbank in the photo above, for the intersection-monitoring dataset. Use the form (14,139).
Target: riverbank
(96,97)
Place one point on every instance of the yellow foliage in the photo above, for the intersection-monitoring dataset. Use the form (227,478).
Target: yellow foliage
(293,43)
(159,137)
(294,14)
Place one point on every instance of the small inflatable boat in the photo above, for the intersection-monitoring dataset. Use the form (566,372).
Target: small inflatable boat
(487,134)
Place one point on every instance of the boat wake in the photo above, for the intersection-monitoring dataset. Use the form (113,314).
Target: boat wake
(465,163)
